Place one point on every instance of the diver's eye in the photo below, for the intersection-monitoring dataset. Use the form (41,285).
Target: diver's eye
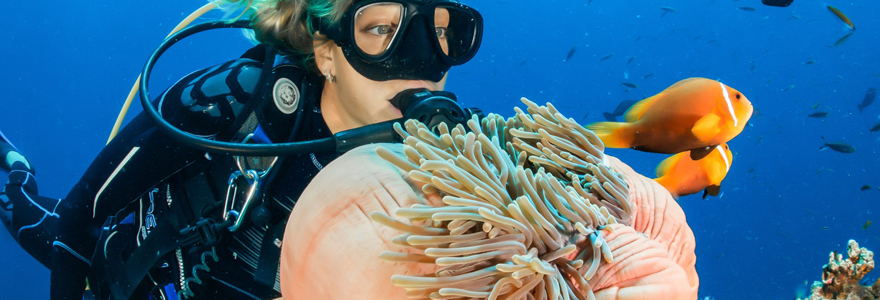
(441,32)
(381,30)
(738,96)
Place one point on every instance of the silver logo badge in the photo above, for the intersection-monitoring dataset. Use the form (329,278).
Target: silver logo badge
(286,95)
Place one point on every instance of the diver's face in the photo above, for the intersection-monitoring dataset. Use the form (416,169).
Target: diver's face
(352,100)
(365,101)
(355,100)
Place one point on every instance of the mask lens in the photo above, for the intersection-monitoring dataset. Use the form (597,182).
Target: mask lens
(375,26)
(456,30)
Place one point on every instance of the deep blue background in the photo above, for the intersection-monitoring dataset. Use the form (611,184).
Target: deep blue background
(68,65)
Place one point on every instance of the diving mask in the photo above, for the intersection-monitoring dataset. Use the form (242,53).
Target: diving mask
(412,40)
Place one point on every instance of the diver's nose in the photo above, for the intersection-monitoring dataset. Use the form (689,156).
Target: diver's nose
(417,38)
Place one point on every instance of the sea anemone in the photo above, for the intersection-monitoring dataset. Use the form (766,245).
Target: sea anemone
(524,204)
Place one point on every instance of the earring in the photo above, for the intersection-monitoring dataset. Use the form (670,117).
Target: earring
(329,77)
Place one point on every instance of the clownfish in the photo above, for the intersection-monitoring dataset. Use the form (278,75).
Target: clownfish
(681,175)
(695,114)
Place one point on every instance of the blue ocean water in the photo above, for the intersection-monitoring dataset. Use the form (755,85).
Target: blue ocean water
(68,65)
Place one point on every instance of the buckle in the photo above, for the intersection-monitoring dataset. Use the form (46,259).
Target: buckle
(234,210)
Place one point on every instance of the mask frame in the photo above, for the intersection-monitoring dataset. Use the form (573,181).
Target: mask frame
(408,56)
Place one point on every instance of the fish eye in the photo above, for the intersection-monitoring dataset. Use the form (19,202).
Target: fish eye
(738,96)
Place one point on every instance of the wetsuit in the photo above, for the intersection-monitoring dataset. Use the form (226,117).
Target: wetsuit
(143,183)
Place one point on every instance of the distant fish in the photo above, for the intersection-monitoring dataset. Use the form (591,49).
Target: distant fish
(630,59)
(818,115)
(876,127)
(788,88)
(619,110)
(523,62)
(753,67)
(648,75)
(666,9)
(867,224)
(606,57)
(747,8)
(571,53)
(623,106)
(630,84)
(865,188)
(815,106)
(869,98)
(843,39)
(823,169)
(609,117)
(824,228)
(842,17)
(810,62)
(838,146)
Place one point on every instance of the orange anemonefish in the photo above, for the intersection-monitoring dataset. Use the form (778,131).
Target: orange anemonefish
(694,114)
(681,175)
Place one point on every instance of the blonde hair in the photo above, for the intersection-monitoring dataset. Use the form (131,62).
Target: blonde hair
(286,25)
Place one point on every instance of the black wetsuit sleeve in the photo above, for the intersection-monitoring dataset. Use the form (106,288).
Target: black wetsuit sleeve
(204,103)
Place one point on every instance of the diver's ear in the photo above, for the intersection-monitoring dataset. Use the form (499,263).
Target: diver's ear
(324,54)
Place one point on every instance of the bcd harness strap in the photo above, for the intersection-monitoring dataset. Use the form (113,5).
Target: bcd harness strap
(183,223)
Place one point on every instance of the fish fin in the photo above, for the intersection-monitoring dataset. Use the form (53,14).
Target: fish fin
(707,127)
(712,190)
(614,134)
(666,164)
(637,110)
(700,153)
(666,182)
(610,117)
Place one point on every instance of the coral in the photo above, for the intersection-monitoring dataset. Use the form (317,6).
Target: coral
(841,276)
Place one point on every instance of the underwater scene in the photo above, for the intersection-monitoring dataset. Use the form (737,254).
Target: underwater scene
(804,173)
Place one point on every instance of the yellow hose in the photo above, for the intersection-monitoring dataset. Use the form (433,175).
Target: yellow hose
(134,89)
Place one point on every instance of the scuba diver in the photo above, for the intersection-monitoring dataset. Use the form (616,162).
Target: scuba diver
(191,198)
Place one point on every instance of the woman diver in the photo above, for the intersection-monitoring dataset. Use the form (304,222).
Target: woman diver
(201,214)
